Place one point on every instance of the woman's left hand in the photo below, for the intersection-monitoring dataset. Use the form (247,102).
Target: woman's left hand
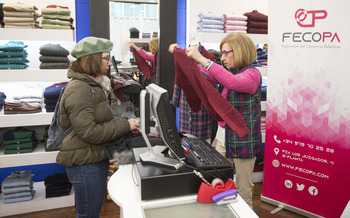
(192,52)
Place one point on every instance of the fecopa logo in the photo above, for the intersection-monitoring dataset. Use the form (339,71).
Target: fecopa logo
(307,18)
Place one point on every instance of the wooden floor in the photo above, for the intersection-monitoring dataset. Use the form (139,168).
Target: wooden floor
(111,210)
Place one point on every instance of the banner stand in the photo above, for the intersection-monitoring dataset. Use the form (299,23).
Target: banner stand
(288,207)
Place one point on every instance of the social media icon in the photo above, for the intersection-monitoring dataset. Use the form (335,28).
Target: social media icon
(275,163)
(288,183)
(300,187)
(313,190)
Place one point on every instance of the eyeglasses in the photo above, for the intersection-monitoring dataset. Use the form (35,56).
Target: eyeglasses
(225,52)
(107,58)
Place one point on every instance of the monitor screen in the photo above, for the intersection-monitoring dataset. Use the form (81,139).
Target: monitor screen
(154,100)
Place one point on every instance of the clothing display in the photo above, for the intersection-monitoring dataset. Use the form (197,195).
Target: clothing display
(19,140)
(235,23)
(257,22)
(20,15)
(51,94)
(13,55)
(210,22)
(57,185)
(18,187)
(134,33)
(56,17)
(53,56)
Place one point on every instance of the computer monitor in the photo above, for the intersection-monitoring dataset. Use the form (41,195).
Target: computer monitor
(156,99)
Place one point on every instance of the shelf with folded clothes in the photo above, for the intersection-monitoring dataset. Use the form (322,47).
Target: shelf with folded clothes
(38,203)
(38,156)
(37,34)
(27,75)
(217,37)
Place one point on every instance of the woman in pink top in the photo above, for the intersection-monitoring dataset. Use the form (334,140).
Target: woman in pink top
(242,89)
(152,58)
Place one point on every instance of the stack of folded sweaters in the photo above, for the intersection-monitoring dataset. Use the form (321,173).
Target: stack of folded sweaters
(210,22)
(56,17)
(235,23)
(51,95)
(18,187)
(57,185)
(20,15)
(257,22)
(134,33)
(19,140)
(53,56)
(13,55)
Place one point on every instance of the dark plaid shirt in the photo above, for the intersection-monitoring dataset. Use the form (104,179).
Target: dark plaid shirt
(194,123)
(249,106)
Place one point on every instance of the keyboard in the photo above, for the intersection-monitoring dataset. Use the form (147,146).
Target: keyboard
(202,155)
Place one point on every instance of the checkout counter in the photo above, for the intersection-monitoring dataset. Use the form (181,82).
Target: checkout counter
(124,191)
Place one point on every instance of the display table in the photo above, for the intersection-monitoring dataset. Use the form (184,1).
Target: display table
(124,191)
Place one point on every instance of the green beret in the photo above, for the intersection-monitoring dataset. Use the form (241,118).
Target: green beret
(91,45)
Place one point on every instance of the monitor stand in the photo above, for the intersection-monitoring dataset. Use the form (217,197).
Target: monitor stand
(154,155)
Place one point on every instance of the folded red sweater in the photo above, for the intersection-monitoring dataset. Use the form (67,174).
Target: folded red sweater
(198,90)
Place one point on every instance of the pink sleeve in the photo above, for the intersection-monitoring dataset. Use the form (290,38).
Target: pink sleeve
(211,79)
(246,82)
(148,57)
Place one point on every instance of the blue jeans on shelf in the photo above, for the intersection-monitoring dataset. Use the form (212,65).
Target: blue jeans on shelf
(89,182)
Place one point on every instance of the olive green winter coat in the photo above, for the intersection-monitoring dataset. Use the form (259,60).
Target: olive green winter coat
(92,120)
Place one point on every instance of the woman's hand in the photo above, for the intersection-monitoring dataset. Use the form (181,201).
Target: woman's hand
(192,52)
(132,45)
(134,124)
(172,47)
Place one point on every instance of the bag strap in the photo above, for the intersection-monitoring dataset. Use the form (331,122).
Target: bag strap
(92,90)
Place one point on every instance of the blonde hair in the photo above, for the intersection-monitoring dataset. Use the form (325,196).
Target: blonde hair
(243,48)
(154,43)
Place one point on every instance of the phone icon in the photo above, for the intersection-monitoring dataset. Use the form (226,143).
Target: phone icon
(278,141)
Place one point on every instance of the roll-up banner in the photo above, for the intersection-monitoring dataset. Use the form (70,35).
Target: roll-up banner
(307,151)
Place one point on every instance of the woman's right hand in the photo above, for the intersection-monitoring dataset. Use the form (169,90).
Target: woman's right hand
(132,45)
(134,124)
(172,47)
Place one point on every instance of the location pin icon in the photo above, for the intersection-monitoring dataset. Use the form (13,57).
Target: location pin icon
(276,150)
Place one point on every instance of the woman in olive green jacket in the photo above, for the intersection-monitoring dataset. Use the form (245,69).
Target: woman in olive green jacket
(83,150)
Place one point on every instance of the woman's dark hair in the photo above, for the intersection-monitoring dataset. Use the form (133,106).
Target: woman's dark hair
(90,64)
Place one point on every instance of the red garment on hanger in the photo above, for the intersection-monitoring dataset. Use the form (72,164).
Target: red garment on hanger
(198,90)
